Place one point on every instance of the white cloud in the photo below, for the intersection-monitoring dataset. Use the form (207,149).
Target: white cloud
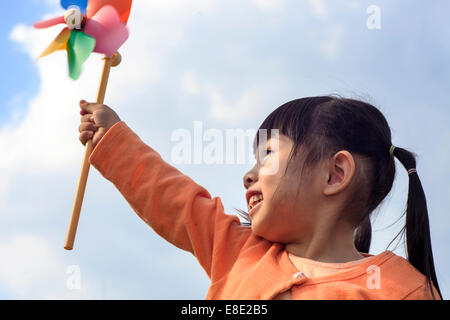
(269,5)
(244,107)
(322,8)
(25,262)
(221,108)
(30,269)
(330,47)
(189,83)
(319,7)
(176,6)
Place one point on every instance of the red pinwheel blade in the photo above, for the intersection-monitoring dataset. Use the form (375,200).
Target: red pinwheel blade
(49,23)
(123,7)
(107,29)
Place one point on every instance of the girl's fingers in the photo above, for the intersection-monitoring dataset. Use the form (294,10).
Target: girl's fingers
(87,118)
(82,110)
(87,126)
(89,107)
(85,136)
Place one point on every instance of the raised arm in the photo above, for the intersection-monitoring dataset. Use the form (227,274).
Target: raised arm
(176,207)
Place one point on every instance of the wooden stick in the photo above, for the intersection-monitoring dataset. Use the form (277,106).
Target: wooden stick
(78,201)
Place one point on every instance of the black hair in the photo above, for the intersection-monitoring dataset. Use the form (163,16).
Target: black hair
(324,125)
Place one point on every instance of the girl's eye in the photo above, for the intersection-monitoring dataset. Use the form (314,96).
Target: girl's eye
(263,154)
(266,153)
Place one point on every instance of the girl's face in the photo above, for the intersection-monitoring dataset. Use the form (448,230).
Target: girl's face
(280,216)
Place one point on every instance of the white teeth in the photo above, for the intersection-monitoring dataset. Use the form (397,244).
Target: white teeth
(254,200)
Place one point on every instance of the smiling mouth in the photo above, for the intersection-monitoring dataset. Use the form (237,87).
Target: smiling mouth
(254,202)
(254,199)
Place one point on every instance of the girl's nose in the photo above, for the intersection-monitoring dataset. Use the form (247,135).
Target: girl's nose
(250,178)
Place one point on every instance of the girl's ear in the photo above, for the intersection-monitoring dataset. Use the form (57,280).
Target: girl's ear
(340,172)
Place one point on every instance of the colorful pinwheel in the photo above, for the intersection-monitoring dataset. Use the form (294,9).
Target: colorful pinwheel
(92,26)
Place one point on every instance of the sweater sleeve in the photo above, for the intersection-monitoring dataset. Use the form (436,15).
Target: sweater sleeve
(177,208)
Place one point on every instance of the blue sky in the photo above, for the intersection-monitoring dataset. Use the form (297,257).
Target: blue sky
(17,89)
(229,64)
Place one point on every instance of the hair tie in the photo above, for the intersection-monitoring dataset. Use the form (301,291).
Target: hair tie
(391,151)
(411,171)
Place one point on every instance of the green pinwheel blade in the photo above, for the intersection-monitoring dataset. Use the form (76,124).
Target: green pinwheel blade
(79,47)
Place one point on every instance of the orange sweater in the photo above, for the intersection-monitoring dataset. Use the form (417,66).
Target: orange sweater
(239,264)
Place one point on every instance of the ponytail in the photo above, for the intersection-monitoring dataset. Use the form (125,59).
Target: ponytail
(363,235)
(417,227)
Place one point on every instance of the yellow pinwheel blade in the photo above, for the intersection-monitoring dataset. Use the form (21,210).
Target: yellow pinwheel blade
(59,43)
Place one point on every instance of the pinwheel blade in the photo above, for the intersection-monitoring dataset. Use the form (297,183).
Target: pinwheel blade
(60,43)
(79,47)
(107,29)
(123,7)
(49,23)
(82,4)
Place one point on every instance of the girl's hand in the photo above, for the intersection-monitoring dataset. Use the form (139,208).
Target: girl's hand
(96,120)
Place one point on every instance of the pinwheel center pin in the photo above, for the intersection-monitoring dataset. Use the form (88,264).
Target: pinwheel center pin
(73,17)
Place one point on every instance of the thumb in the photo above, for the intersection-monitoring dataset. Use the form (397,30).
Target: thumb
(89,107)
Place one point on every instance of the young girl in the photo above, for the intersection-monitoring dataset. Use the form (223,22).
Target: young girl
(310,232)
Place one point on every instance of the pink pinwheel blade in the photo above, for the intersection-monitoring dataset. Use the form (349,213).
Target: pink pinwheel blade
(49,23)
(107,29)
